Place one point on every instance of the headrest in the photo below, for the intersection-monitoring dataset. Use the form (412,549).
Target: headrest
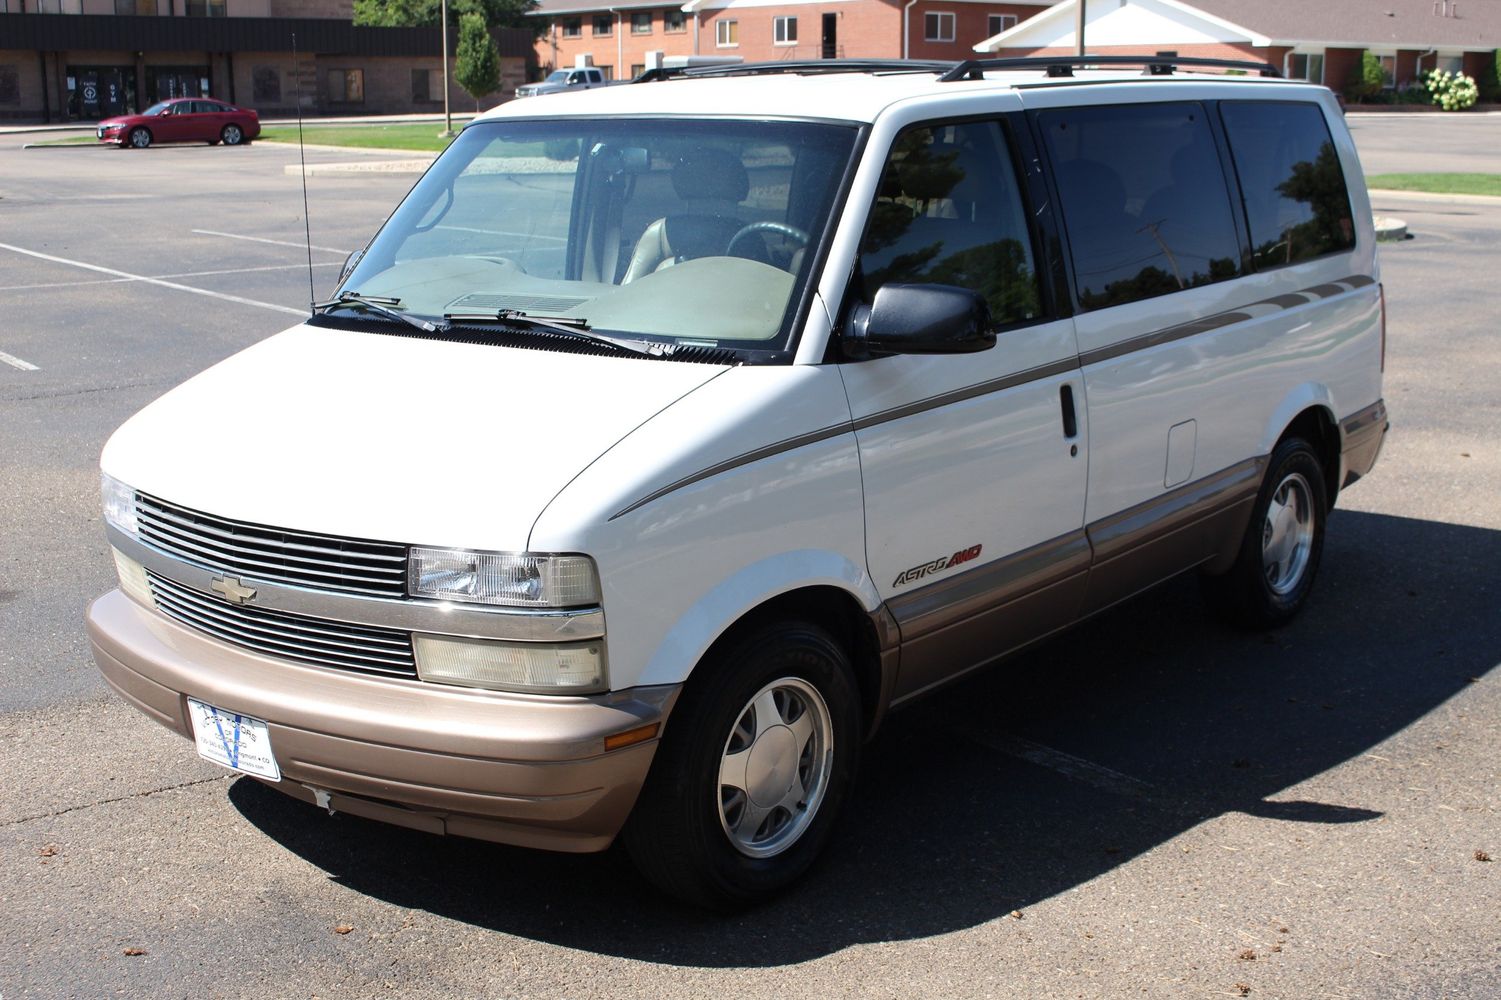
(710,174)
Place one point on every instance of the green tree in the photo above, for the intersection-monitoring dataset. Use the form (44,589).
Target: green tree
(478,66)
(427,13)
(1367,80)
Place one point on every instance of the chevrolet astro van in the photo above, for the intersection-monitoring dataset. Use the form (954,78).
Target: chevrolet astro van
(667,436)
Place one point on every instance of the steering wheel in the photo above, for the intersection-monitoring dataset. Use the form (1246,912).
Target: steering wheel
(799,236)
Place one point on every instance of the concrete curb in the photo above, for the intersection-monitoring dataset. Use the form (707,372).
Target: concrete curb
(1451,199)
(358,168)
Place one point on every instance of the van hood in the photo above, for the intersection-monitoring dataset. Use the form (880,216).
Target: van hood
(388,437)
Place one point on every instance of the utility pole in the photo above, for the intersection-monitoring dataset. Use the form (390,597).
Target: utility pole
(447,116)
(1079,25)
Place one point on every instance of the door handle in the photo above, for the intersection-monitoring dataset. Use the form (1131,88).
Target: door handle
(1070,415)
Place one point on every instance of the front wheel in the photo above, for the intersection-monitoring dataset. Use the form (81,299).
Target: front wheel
(140,138)
(1279,555)
(758,757)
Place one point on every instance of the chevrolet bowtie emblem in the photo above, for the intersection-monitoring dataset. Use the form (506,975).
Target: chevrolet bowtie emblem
(233,590)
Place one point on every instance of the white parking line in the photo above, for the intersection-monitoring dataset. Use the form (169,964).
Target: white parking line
(262,239)
(15,362)
(184,274)
(222,296)
(1083,771)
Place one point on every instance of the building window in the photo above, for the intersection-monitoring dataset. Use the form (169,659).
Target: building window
(637,69)
(205,8)
(1306,67)
(346,86)
(57,7)
(606,71)
(998,23)
(784,29)
(672,20)
(938,27)
(1388,71)
(10,85)
(641,22)
(427,85)
(265,85)
(139,8)
(573,27)
(726,34)
(603,25)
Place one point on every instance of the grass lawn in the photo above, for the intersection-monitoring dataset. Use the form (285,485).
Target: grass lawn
(1438,183)
(421,136)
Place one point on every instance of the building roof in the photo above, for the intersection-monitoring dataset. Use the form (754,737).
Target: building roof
(555,8)
(1409,24)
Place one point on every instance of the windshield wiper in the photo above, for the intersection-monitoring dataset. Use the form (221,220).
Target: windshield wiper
(378,304)
(567,326)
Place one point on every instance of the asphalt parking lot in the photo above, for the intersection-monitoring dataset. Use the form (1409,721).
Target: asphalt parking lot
(1151,805)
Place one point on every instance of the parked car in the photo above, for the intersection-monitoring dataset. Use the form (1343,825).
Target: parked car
(186,119)
(663,440)
(566,80)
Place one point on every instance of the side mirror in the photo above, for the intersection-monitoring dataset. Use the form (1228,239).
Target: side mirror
(921,319)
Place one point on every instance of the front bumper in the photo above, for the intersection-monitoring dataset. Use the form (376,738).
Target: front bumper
(516,769)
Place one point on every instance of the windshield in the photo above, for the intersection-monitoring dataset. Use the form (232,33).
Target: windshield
(557,76)
(157,108)
(695,232)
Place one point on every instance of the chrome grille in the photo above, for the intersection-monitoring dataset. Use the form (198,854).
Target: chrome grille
(275,555)
(323,643)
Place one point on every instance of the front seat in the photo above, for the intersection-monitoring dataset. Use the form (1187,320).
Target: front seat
(710,184)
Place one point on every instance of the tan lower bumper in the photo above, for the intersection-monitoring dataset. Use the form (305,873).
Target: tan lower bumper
(518,769)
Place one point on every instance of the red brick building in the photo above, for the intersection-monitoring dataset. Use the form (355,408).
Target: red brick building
(617,36)
(1321,42)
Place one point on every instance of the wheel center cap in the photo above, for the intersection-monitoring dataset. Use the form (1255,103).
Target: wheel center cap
(771,767)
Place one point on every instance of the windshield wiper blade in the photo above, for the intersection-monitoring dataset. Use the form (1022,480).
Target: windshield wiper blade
(568,326)
(379,304)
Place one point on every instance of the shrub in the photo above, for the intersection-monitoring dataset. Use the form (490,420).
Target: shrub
(1367,80)
(1451,91)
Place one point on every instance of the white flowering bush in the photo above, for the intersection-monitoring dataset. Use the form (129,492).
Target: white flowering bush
(1451,91)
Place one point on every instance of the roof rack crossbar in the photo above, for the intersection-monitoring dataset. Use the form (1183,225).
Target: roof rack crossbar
(974,69)
(806,66)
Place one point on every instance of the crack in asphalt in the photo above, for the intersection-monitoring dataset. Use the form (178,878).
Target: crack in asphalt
(92,389)
(120,798)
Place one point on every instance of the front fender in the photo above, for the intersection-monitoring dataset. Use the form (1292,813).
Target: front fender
(728,602)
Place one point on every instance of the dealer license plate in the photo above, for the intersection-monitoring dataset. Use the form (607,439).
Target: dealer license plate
(234,741)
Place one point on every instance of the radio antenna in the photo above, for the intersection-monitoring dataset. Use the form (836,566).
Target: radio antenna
(307,231)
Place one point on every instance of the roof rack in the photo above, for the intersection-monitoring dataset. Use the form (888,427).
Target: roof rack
(1159,65)
(950,71)
(807,66)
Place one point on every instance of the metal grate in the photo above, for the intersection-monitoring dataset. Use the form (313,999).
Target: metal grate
(275,555)
(362,648)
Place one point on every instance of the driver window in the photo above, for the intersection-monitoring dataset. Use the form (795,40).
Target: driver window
(949,212)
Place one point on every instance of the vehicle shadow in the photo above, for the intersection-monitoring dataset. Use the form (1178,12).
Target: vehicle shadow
(1149,719)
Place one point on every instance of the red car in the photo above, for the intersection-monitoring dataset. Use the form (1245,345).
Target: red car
(186,119)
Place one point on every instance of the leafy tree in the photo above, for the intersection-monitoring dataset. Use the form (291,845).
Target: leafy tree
(478,66)
(428,13)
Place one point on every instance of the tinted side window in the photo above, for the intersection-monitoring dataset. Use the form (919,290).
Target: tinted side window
(949,212)
(1290,175)
(1144,200)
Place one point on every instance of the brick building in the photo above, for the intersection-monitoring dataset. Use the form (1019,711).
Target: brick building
(65,60)
(1321,42)
(617,36)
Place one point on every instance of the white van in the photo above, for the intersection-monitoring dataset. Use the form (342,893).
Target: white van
(667,436)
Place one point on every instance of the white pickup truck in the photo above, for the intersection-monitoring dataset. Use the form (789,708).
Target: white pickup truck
(561,80)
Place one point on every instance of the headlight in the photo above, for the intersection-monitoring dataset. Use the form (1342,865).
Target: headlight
(515,579)
(119,504)
(539,668)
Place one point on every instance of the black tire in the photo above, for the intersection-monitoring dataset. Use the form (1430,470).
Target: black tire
(1269,583)
(139,138)
(232,135)
(679,833)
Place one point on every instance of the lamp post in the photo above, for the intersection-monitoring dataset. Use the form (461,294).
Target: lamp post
(447,116)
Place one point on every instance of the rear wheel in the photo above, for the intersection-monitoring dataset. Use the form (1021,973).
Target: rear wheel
(232,135)
(757,760)
(1279,555)
(140,138)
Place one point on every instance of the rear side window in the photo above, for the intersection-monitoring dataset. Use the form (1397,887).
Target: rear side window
(1144,200)
(949,212)
(1296,202)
